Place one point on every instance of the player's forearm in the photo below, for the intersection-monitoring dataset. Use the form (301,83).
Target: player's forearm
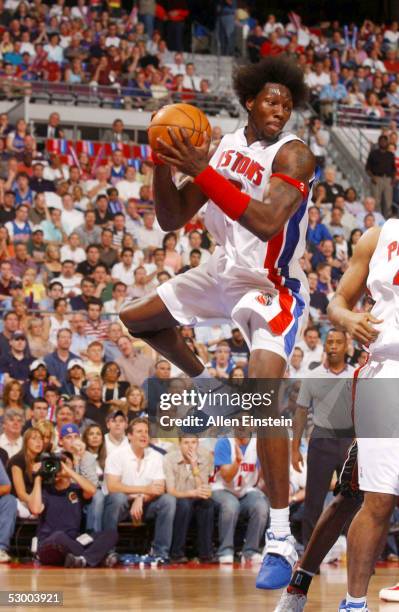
(338,310)
(266,219)
(168,204)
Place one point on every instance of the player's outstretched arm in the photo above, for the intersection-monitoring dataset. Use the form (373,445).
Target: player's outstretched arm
(350,289)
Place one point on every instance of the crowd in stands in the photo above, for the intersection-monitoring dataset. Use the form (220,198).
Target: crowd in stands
(349,65)
(78,236)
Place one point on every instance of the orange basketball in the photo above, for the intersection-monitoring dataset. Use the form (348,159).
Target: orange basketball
(178,116)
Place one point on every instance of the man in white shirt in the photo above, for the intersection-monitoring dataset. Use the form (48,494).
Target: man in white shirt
(312,347)
(124,270)
(99,185)
(11,438)
(55,53)
(178,67)
(318,79)
(135,472)
(191,80)
(128,187)
(71,218)
(112,39)
(133,220)
(112,307)
(116,437)
(194,242)
(148,236)
(295,368)
(68,279)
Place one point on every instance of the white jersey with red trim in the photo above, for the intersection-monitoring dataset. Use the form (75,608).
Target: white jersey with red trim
(383,284)
(243,257)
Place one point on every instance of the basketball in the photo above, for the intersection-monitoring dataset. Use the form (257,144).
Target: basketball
(178,116)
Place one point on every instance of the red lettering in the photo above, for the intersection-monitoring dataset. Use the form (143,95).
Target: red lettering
(243,165)
(227,155)
(239,157)
(391,248)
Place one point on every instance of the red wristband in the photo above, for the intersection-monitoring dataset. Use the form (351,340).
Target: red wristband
(300,185)
(155,159)
(222,192)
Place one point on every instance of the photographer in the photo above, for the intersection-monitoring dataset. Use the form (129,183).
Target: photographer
(59,506)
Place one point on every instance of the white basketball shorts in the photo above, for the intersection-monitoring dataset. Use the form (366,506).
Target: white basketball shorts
(376,418)
(269,318)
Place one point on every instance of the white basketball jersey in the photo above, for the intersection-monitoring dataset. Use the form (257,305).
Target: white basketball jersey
(247,475)
(383,284)
(245,256)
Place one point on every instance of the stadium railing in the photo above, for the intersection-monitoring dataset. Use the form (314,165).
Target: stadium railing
(118,97)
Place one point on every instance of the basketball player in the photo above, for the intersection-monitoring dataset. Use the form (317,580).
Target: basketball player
(256,186)
(374,265)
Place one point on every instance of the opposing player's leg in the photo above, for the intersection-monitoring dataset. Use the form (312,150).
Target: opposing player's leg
(369,528)
(335,518)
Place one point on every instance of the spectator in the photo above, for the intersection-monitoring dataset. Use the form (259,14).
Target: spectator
(76,377)
(332,188)
(136,471)
(222,363)
(52,263)
(8,514)
(81,301)
(316,231)
(234,493)
(52,227)
(135,367)
(96,408)
(239,351)
(78,406)
(312,347)
(11,438)
(16,363)
(380,166)
(39,413)
(124,270)
(37,182)
(35,385)
(135,405)
(149,237)
(225,25)
(21,467)
(112,307)
(95,358)
(334,92)
(187,472)
(88,232)
(142,285)
(318,299)
(68,278)
(113,388)
(57,361)
(58,320)
(80,341)
(19,229)
(10,322)
(295,367)
(117,133)
(37,334)
(59,507)
(96,327)
(108,255)
(117,425)
(369,207)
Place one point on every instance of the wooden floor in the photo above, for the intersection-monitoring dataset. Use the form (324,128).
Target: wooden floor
(189,589)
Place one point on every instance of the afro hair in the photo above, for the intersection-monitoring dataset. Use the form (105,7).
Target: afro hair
(249,80)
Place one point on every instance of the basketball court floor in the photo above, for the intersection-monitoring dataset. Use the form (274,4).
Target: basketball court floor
(189,588)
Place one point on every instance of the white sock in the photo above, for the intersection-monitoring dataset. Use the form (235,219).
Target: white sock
(279,522)
(355,600)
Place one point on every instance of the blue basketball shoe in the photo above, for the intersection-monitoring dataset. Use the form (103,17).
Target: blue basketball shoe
(352,607)
(279,558)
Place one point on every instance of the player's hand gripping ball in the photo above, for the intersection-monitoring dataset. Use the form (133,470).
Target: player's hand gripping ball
(179,135)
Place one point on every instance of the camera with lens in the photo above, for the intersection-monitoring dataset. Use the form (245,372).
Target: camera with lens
(50,466)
